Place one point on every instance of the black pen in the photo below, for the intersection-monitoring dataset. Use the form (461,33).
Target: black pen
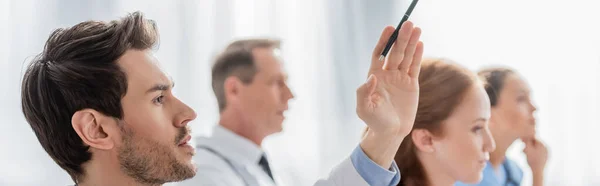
(392,39)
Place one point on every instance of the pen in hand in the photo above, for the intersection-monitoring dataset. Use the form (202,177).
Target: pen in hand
(392,39)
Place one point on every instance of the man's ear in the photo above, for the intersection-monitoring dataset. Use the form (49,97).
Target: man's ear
(423,140)
(94,128)
(232,87)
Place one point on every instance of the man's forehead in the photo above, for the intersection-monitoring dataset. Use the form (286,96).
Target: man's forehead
(267,58)
(142,69)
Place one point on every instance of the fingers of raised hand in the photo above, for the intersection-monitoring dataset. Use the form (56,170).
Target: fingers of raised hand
(385,36)
(409,52)
(397,53)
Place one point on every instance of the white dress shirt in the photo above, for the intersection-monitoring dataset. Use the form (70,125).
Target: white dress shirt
(227,159)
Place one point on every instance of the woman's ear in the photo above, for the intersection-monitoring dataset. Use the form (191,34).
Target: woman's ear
(423,140)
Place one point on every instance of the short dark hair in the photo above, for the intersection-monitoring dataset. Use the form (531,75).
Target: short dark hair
(78,70)
(237,60)
(494,81)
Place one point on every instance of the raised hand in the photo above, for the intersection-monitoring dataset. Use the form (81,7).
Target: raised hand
(387,102)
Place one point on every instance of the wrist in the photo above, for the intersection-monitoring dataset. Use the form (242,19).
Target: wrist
(389,133)
(381,146)
(537,172)
(538,178)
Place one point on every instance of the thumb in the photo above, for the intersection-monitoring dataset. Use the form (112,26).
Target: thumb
(365,90)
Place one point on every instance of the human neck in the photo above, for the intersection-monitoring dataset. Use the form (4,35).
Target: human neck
(100,172)
(231,120)
(503,141)
(434,173)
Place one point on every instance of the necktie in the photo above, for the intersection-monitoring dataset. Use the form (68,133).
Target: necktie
(264,164)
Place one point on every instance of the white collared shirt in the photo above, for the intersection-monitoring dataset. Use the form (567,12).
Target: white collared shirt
(226,158)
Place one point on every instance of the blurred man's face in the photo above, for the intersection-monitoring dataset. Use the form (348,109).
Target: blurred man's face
(265,100)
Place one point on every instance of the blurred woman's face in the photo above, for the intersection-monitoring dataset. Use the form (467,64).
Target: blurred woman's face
(514,109)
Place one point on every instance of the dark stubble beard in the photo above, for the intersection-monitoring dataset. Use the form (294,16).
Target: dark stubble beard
(150,162)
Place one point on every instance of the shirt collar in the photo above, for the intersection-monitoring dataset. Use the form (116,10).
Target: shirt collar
(513,173)
(233,146)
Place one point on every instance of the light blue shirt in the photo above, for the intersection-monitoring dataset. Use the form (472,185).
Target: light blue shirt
(371,172)
(508,174)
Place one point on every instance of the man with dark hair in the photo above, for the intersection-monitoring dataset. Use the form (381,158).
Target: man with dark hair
(250,86)
(102,108)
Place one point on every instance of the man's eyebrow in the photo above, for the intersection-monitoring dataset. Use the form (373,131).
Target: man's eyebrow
(160,87)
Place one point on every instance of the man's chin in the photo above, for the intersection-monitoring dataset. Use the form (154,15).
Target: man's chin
(276,131)
(190,173)
(191,165)
(273,129)
(195,168)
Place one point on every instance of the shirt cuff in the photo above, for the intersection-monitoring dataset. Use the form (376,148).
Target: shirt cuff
(371,172)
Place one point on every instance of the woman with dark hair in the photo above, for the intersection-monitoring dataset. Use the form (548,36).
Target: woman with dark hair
(512,118)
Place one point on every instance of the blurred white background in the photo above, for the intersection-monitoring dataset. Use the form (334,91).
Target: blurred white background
(555,44)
